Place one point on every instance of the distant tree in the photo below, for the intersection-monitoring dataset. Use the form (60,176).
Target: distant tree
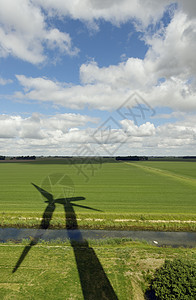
(134,158)
(26,157)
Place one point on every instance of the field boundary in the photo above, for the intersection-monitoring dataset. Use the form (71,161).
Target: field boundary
(170,174)
(113,223)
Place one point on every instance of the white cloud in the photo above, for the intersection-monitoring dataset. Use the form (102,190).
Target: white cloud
(171,58)
(63,135)
(24,32)
(40,127)
(131,129)
(5,81)
(142,12)
(146,11)
(165,77)
(173,52)
(133,73)
(100,96)
(174,93)
(189,7)
(108,88)
(7,130)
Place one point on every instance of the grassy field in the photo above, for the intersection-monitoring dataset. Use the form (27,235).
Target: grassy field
(50,270)
(138,195)
(131,195)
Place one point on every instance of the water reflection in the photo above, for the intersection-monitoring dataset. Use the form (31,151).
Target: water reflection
(173,239)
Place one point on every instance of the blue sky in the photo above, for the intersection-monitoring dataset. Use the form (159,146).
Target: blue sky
(67,69)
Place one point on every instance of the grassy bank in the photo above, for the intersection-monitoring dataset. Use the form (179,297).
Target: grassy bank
(50,269)
(126,221)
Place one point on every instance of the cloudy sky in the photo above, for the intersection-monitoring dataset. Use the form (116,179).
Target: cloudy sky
(97,77)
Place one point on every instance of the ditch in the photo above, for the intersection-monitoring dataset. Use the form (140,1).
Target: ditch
(158,238)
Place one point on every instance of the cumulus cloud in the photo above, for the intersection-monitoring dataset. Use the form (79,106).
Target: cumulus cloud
(24,32)
(65,135)
(5,81)
(143,12)
(90,11)
(165,77)
(172,52)
(100,96)
(176,138)
(174,93)
(189,7)
(131,129)
(171,58)
(133,73)
(7,130)
(39,127)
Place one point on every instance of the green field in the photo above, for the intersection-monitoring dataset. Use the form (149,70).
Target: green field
(133,195)
(130,195)
(50,271)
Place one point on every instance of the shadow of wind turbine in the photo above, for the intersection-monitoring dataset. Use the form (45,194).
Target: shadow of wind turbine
(45,223)
(94,281)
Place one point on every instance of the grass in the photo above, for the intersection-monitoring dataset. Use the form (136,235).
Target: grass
(147,195)
(136,195)
(49,269)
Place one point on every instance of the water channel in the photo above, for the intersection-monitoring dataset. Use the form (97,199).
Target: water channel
(172,239)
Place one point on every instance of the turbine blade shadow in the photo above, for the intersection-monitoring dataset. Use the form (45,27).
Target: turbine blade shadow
(87,207)
(45,223)
(77,199)
(44,193)
(68,200)
(24,254)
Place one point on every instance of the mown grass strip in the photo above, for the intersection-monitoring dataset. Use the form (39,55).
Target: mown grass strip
(184,179)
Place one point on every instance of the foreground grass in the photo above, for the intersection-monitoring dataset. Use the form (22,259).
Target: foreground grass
(49,269)
(138,195)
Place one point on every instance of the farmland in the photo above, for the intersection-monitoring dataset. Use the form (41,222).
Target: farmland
(148,195)
(153,195)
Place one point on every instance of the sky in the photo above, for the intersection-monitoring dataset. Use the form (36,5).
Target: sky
(97,77)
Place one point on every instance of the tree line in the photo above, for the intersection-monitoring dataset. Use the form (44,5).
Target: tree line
(33,157)
(135,158)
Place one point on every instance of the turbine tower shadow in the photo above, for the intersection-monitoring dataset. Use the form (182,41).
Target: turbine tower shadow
(94,281)
(46,218)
